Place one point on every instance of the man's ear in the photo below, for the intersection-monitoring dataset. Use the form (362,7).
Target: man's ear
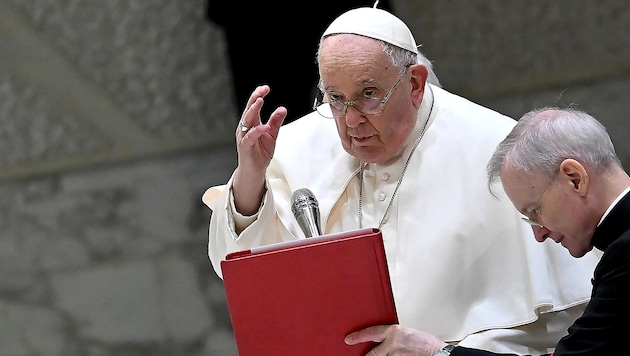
(576,174)
(419,75)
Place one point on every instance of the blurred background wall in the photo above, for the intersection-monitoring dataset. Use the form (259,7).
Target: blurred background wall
(116,115)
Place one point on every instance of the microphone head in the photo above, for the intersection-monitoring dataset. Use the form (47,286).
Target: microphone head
(306,211)
(303,198)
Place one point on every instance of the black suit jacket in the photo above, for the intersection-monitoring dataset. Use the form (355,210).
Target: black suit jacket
(604,328)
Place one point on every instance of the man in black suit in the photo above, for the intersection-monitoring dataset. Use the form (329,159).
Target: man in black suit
(560,170)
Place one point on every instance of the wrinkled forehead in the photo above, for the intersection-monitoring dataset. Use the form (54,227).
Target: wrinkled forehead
(353,58)
(348,47)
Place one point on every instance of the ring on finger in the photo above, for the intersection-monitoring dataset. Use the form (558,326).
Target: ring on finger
(243,127)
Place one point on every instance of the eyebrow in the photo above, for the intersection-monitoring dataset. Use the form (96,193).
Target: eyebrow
(364,83)
(524,210)
(527,207)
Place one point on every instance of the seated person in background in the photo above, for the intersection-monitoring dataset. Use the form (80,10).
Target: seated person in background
(559,168)
(388,148)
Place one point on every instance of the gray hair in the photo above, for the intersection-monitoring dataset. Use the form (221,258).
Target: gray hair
(400,58)
(543,138)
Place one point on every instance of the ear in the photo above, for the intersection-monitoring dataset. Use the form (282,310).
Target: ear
(419,75)
(576,174)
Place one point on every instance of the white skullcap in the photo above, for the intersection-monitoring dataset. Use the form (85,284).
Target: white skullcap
(374,23)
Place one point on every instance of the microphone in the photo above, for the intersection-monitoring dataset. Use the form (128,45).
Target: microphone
(306,211)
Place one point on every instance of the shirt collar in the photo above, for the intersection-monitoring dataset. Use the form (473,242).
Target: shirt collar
(612,205)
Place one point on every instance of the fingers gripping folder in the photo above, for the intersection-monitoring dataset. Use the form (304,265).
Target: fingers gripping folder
(303,297)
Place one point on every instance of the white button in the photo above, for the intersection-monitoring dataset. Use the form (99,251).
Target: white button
(385,177)
(382,196)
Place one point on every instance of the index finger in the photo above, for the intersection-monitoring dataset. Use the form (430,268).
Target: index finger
(373,333)
(276,119)
(260,92)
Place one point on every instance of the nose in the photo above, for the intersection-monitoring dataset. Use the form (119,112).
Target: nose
(354,117)
(541,233)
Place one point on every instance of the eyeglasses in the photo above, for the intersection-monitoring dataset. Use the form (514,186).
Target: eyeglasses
(531,220)
(367,106)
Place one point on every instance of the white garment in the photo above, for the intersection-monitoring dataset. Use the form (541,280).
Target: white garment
(461,261)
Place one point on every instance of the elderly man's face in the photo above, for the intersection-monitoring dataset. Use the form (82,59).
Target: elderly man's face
(354,67)
(555,204)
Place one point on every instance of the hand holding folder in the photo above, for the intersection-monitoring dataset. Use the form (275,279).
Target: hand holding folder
(303,297)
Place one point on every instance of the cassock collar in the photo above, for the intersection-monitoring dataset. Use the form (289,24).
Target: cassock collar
(614,225)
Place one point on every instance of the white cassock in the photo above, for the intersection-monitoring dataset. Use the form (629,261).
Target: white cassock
(463,264)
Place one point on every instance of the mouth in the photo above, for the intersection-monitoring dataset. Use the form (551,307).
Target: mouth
(362,139)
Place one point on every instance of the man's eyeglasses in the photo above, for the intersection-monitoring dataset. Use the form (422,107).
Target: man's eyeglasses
(533,220)
(367,106)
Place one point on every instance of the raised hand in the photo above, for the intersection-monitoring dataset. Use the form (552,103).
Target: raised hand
(255,144)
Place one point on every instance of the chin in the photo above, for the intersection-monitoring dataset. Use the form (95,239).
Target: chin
(577,253)
(368,155)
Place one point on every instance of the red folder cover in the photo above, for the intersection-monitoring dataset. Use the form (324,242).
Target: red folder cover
(303,297)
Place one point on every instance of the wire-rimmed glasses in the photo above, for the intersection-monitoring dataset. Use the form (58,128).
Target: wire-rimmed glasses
(367,106)
(533,221)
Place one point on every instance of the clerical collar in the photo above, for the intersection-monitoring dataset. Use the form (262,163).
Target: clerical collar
(612,205)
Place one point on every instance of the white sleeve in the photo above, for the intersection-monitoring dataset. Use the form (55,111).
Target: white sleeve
(547,330)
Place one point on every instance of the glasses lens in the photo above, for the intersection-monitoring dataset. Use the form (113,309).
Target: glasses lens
(369,106)
(325,111)
(337,107)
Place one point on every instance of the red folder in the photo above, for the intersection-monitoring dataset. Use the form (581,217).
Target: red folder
(303,297)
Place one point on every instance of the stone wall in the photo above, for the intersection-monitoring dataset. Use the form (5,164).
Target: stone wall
(116,115)
(516,55)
